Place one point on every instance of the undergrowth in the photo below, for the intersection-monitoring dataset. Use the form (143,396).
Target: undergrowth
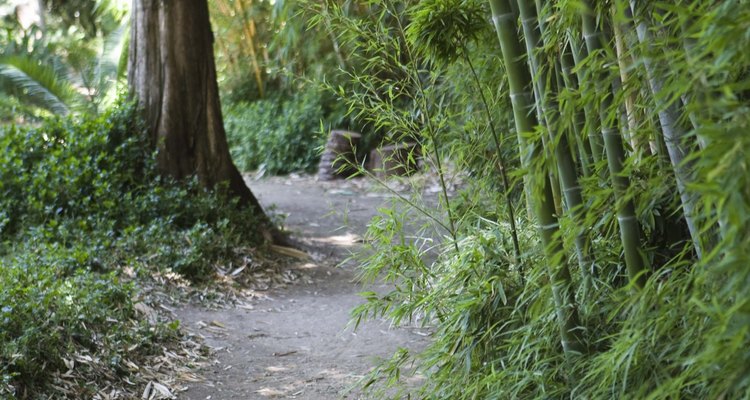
(282,134)
(84,218)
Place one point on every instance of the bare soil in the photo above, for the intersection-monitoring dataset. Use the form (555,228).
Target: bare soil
(296,342)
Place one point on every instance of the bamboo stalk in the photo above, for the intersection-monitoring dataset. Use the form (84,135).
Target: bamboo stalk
(570,81)
(522,101)
(552,174)
(249,29)
(595,140)
(688,44)
(629,227)
(569,126)
(674,137)
(547,104)
(623,62)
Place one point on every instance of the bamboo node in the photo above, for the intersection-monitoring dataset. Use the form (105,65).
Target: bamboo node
(592,35)
(513,96)
(610,132)
(503,17)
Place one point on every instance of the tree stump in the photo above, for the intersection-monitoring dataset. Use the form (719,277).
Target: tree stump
(395,159)
(338,159)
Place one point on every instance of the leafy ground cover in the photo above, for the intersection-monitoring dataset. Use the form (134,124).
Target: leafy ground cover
(87,230)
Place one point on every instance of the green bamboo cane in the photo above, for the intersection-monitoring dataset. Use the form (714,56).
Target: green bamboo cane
(629,227)
(624,62)
(578,148)
(688,44)
(578,53)
(547,103)
(570,81)
(674,135)
(618,86)
(552,175)
(522,101)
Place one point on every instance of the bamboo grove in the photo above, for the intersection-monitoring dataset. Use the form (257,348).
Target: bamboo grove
(622,129)
(632,86)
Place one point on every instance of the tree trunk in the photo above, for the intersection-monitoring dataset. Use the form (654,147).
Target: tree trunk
(171,72)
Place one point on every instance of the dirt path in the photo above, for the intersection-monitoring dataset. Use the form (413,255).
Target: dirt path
(295,342)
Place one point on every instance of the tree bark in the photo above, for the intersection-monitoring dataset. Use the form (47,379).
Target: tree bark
(172,74)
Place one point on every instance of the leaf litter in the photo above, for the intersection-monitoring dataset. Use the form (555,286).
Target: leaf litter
(165,371)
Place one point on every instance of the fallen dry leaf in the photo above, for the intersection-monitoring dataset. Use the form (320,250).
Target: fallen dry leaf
(286,353)
(146,311)
(155,390)
(289,251)
(218,324)
(163,390)
(268,392)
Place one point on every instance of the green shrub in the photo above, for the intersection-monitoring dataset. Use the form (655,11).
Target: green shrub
(14,111)
(79,200)
(280,135)
(69,169)
(97,178)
